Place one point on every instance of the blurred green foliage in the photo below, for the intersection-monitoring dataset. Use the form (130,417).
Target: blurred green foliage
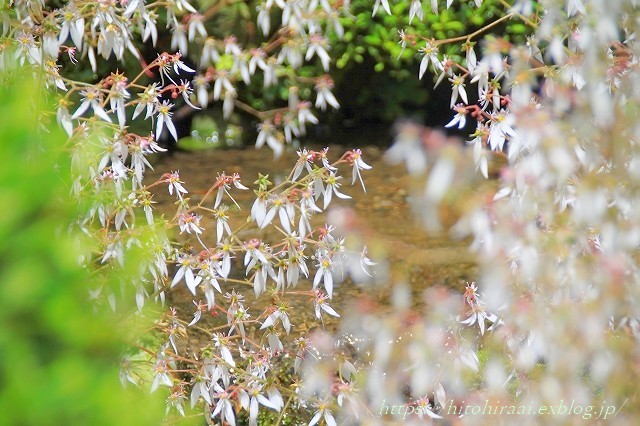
(59,360)
(376,77)
(377,36)
(206,133)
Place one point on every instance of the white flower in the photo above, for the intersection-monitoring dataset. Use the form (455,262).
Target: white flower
(254,255)
(271,72)
(471,59)
(324,273)
(285,210)
(221,342)
(320,303)
(175,184)
(231,46)
(210,53)
(223,184)
(290,127)
(183,4)
(164,119)
(479,315)
(50,44)
(222,224)
(189,222)
(278,314)
(228,103)
(408,147)
(305,161)
(460,119)
(241,66)
(477,312)
(296,264)
(162,376)
(149,100)
(458,89)
(257,60)
(357,164)
(365,262)
(165,61)
(150,29)
(479,154)
(117,97)
(200,307)
(225,264)
(481,76)
(200,389)
(444,68)
(73,25)
(92,98)
(186,271)
(224,406)
(292,53)
(424,407)
(259,208)
(430,54)
(250,400)
(186,90)
(332,188)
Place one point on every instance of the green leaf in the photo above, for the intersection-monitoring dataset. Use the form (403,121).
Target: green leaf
(373,39)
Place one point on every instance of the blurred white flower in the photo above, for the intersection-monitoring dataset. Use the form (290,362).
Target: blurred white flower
(385,6)
(416,10)
(324,411)
(318,45)
(324,96)
(268,133)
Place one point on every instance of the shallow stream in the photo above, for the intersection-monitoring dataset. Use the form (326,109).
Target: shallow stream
(381,217)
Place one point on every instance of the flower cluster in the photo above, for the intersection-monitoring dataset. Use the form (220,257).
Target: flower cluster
(208,65)
(555,237)
(553,230)
(301,264)
(238,366)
